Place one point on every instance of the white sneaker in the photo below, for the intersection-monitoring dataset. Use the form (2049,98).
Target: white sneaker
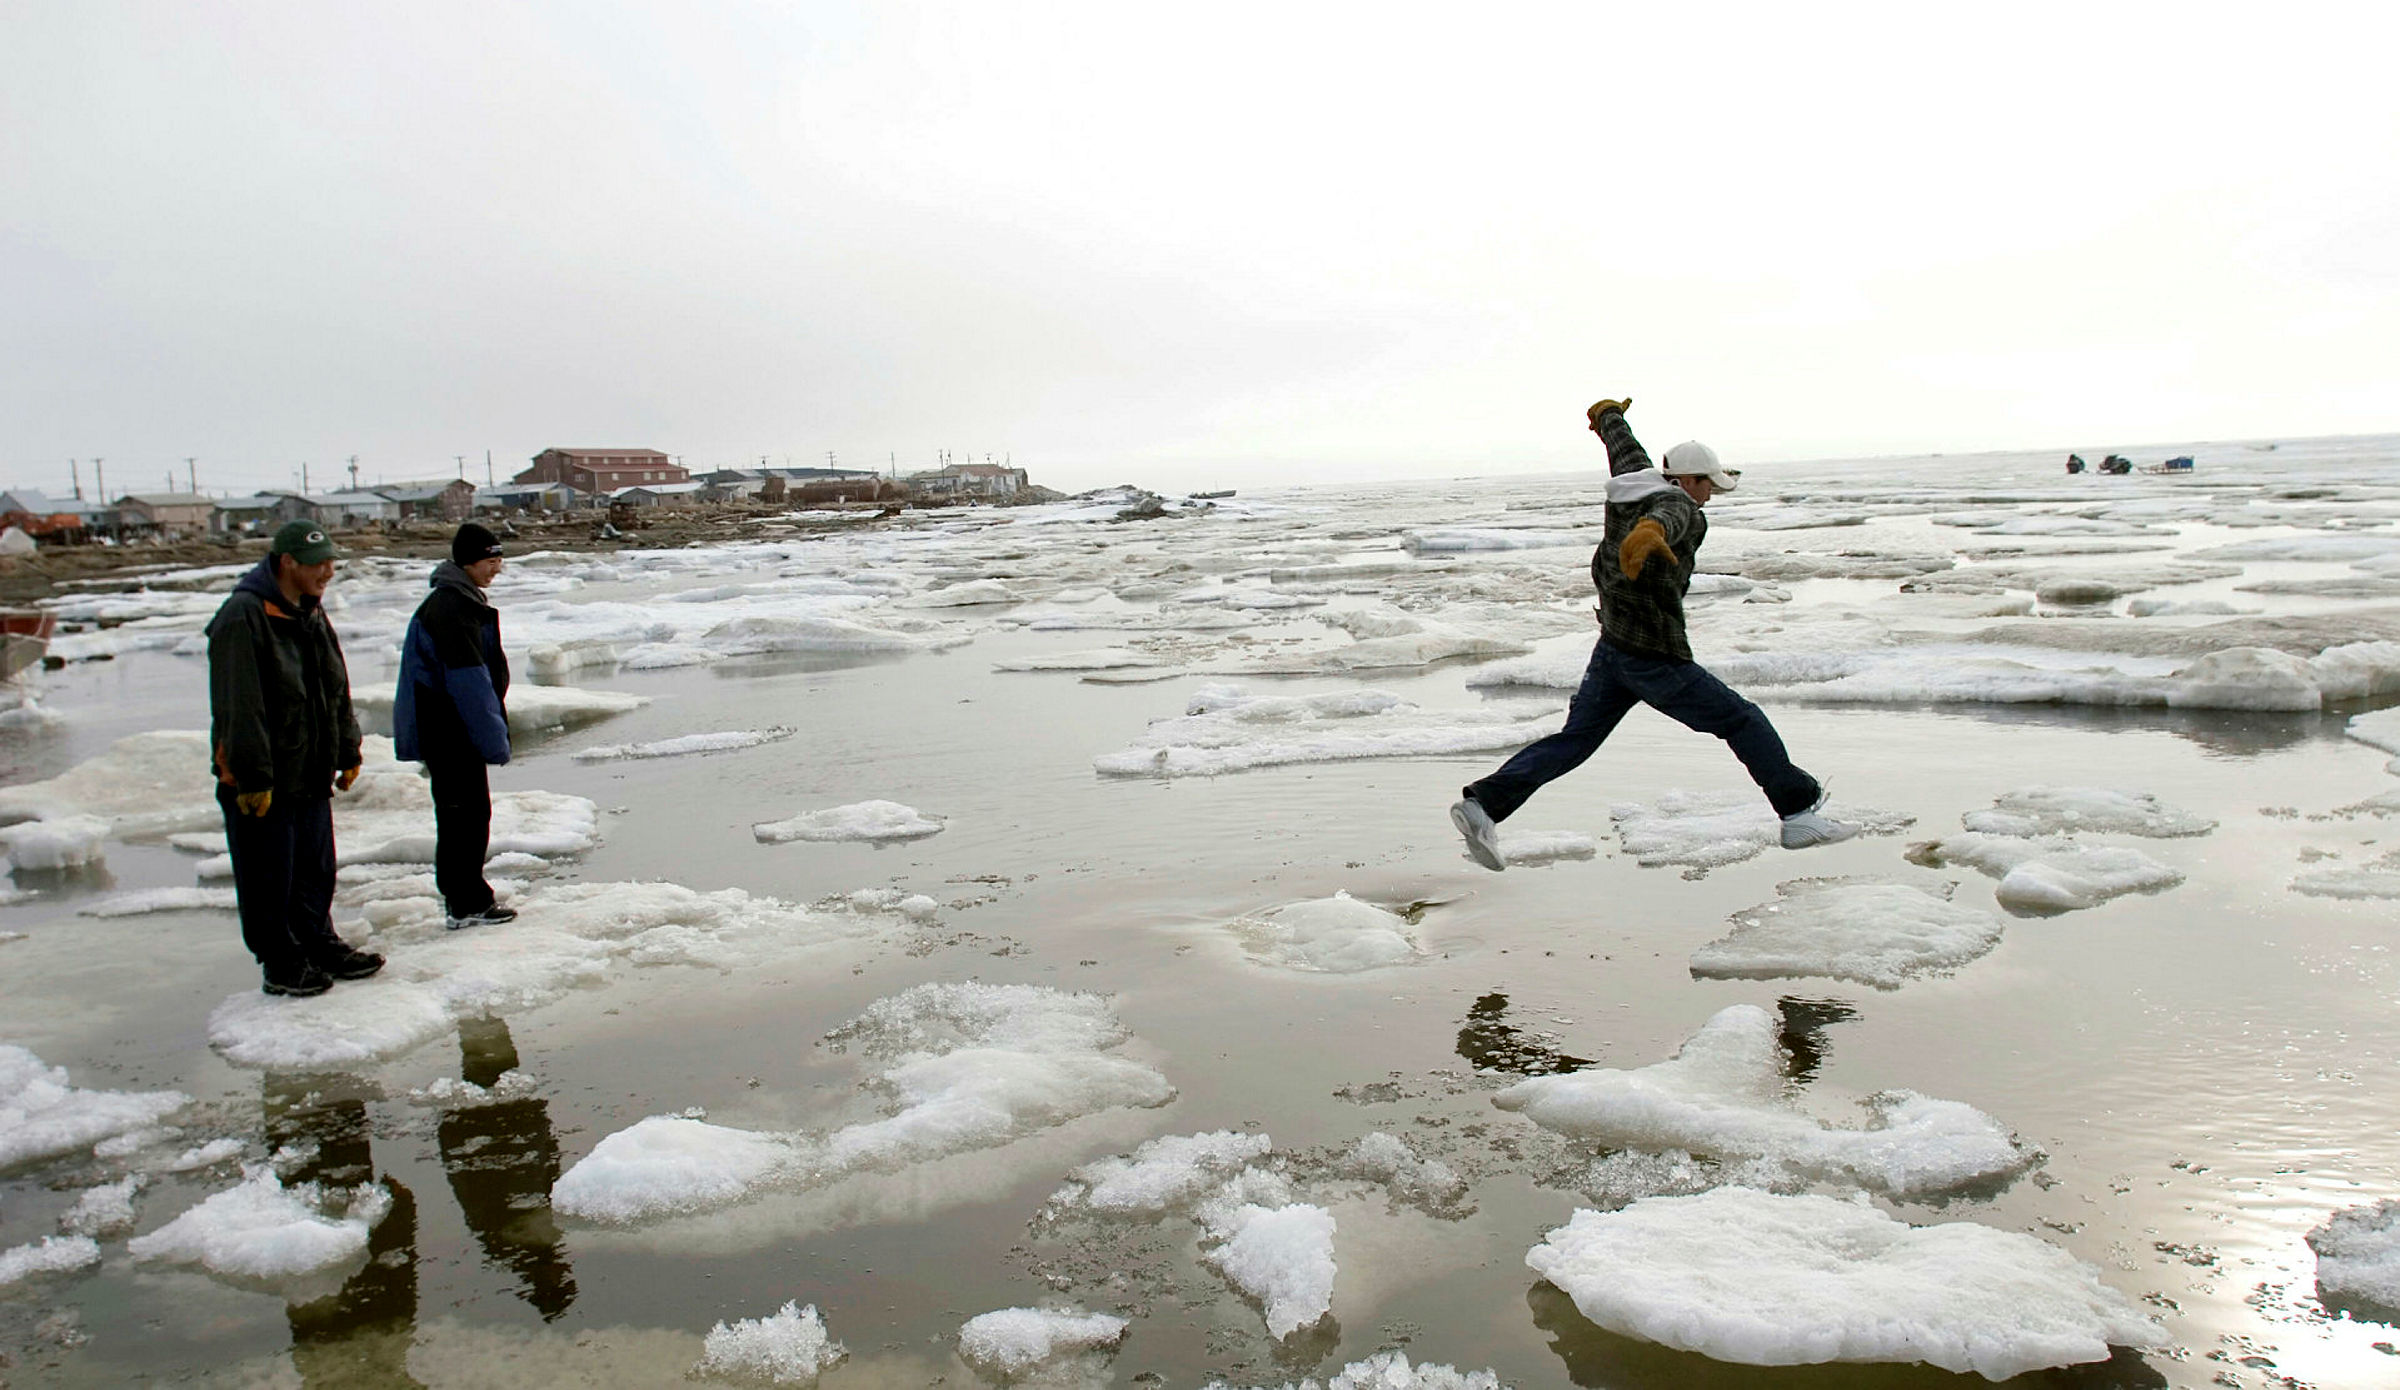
(1807,829)
(1483,837)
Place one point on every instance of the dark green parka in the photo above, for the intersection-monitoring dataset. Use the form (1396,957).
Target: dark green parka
(279,716)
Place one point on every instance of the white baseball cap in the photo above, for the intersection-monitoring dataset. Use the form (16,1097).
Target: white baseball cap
(1693,459)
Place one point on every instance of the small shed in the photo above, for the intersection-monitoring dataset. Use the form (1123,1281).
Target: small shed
(448,500)
(165,513)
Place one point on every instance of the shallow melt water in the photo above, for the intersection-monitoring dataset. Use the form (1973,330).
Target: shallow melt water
(2209,1071)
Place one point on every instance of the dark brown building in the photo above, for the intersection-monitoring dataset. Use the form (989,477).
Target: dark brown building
(602,470)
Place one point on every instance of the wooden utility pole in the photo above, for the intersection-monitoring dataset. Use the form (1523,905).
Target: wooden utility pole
(191,469)
(354,472)
(75,470)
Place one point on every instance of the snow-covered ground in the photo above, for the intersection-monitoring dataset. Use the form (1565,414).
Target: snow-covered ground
(1191,1048)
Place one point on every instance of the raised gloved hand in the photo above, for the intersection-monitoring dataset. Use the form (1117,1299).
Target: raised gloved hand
(1620,407)
(254,803)
(346,778)
(1647,541)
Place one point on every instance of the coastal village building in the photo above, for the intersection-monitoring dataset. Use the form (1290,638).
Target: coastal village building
(969,481)
(657,494)
(165,513)
(355,508)
(441,500)
(243,515)
(602,470)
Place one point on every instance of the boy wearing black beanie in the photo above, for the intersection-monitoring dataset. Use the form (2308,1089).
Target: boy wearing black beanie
(451,714)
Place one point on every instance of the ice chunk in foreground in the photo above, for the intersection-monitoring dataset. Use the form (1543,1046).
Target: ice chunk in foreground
(871,821)
(2046,810)
(788,1348)
(70,842)
(1390,1370)
(966,1066)
(41,1116)
(49,1255)
(1164,1174)
(1012,1341)
(1226,729)
(532,709)
(1722,1094)
(1880,934)
(149,900)
(682,747)
(2052,875)
(352,1027)
(1526,848)
(263,1233)
(1338,935)
(145,784)
(2358,1256)
(1764,1280)
(1280,1256)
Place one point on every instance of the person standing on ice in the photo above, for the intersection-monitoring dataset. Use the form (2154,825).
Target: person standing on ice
(282,739)
(451,714)
(1643,569)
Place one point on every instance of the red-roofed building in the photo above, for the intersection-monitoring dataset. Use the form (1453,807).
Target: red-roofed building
(602,470)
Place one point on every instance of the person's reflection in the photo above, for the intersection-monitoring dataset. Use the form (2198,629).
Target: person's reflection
(502,1160)
(1804,1025)
(1491,1043)
(360,1335)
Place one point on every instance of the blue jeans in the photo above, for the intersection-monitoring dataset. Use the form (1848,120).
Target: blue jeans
(1683,691)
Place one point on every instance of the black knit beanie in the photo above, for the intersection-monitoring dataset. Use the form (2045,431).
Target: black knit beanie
(473,543)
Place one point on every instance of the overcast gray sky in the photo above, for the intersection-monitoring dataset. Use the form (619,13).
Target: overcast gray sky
(1178,245)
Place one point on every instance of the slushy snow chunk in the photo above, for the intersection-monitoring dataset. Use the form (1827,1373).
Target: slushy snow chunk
(1226,729)
(2050,875)
(682,747)
(49,1255)
(41,1116)
(789,1348)
(1012,1341)
(143,785)
(1764,1280)
(1339,935)
(2358,1255)
(872,821)
(1722,1094)
(1880,934)
(105,1210)
(666,1164)
(70,842)
(1165,1174)
(1282,1257)
(1707,830)
(262,1233)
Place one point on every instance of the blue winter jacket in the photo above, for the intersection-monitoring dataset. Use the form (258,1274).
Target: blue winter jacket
(451,706)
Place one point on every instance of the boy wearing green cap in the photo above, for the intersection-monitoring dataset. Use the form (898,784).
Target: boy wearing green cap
(282,739)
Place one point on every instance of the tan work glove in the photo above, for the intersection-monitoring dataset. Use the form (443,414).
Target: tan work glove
(1620,407)
(1646,542)
(254,803)
(346,778)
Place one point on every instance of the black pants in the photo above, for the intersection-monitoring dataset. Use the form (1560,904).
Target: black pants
(462,824)
(283,878)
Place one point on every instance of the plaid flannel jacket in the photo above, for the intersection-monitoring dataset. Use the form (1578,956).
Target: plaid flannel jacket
(1645,615)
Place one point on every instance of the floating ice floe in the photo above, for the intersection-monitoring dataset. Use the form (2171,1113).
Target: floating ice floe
(262,1233)
(105,1210)
(2047,810)
(2247,678)
(387,817)
(145,784)
(1010,1342)
(1880,934)
(1165,1174)
(1707,830)
(533,709)
(1528,848)
(1387,1159)
(565,937)
(1089,659)
(2358,1257)
(871,821)
(1383,640)
(1389,1370)
(2378,729)
(49,1255)
(790,1347)
(43,1117)
(1280,1256)
(964,1067)
(455,1093)
(147,900)
(1226,729)
(2050,875)
(1337,935)
(2378,879)
(1765,1280)
(1722,1094)
(1465,538)
(684,746)
(70,842)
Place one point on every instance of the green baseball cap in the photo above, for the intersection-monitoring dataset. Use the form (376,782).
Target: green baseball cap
(305,542)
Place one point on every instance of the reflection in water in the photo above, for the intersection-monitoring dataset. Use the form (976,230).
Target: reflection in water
(1804,1025)
(1491,1043)
(502,1160)
(360,1335)
(1594,1356)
